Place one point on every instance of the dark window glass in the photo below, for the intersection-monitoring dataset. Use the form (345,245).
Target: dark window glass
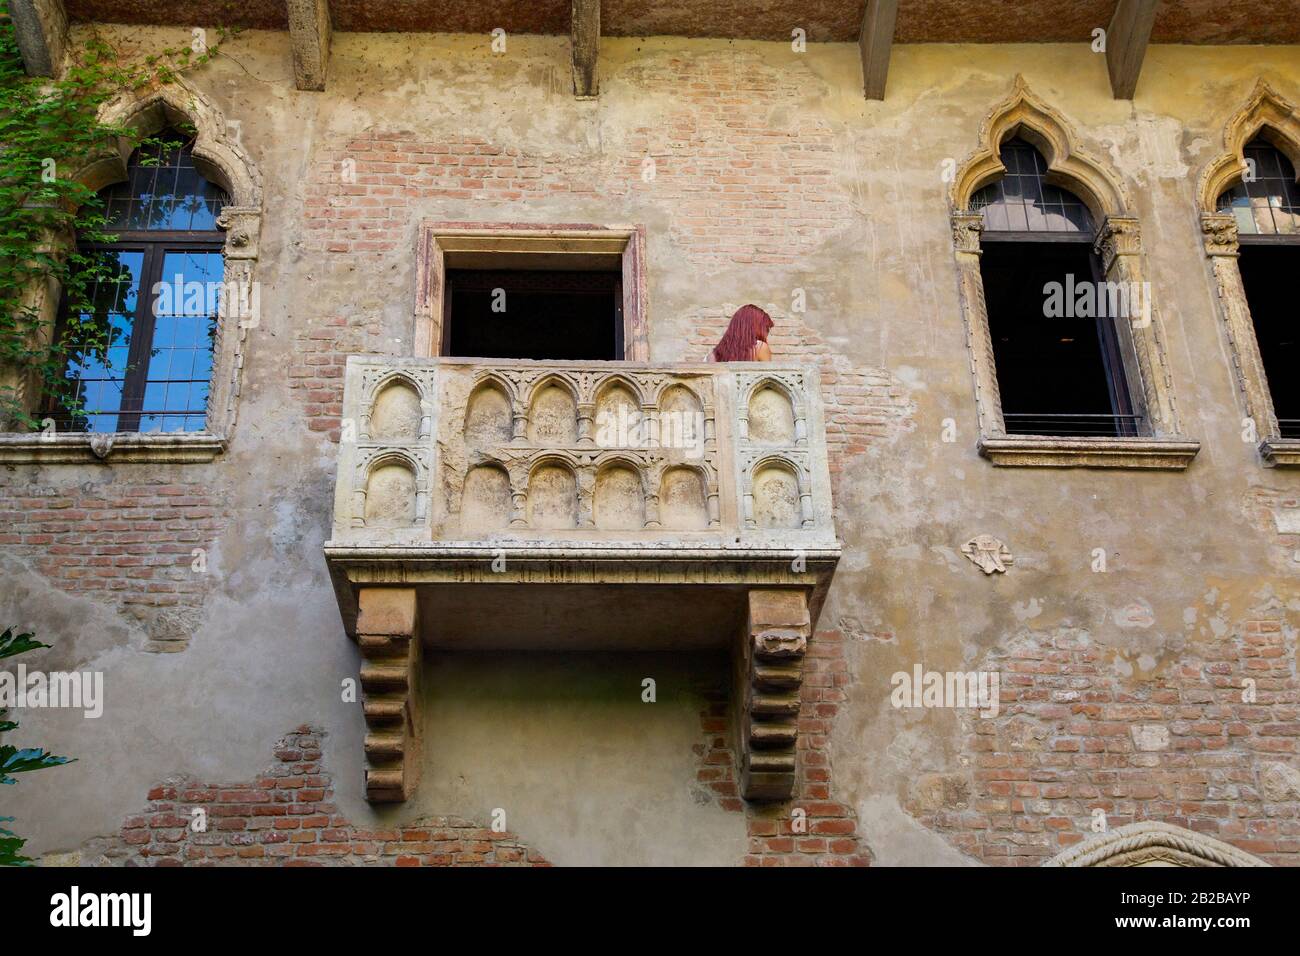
(1023,201)
(1266,205)
(1059,365)
(1267,200)
(534,314)
(1057,374)
(1268,273)
(160,305)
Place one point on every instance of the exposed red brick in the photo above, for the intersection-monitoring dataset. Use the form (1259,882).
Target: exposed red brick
(313,835)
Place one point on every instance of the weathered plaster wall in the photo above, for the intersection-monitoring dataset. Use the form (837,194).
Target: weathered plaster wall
(771,175)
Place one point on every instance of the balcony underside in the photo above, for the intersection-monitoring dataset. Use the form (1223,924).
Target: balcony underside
(641,600)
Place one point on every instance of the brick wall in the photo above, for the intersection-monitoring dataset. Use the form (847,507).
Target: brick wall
(826,832)
(287,817)
(130,539)
(863,405)
(320,355)
(1070,738)
(741,190)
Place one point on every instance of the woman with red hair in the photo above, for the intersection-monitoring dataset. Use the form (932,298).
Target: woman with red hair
(746,337)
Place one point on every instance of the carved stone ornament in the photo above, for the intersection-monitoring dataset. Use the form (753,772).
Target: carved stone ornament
(1220,233)
(988,554)
(966,230)
(1119,236)
(1153,843)
(101,444)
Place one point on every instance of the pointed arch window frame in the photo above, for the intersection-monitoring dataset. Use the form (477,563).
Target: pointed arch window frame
(1118,245)
(1270,116)
(220,157)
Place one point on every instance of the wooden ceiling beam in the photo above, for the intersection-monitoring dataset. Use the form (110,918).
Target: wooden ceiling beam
(585,34)
(874,41)
(309,34)
(1126,44)
(41,29)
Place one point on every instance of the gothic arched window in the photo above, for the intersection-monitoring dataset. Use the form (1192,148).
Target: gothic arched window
(1060,368)
(1266,206)
(154,302)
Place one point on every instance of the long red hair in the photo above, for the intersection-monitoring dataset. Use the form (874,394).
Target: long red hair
(747,326)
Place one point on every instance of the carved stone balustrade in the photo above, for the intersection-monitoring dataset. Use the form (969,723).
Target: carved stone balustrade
(526,505)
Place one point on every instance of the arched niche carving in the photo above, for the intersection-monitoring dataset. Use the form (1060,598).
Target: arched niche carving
(619,499)
(396,413)
(485,499)
(553,495)
(1023,114)
(771,415)
(553,414)
(488,415)
(680,399)
(1265,114)
(683,499)
(777,495)
(618,414)
(391,493)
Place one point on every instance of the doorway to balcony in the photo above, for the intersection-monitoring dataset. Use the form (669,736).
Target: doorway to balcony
(533,314)
(557,292)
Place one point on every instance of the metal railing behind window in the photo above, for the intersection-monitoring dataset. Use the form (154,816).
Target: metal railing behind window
(1071,425)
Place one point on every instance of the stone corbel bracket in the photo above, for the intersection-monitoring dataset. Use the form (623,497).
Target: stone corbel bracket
(770,681)
(390,647)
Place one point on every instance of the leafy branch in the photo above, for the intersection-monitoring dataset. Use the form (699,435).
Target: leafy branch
(19,760)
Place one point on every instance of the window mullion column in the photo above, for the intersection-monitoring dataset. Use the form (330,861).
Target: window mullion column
(1119,245)
(137,372)
(966,229)
(1219,231)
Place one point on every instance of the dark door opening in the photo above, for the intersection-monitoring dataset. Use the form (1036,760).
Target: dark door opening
(1268,273)
(523,314)
(1057,374)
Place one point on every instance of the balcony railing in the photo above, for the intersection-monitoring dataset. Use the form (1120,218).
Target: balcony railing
(448,455)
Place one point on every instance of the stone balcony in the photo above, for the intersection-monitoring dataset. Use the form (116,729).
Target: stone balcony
(530,505)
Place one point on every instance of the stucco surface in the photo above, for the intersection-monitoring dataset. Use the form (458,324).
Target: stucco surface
(586,771)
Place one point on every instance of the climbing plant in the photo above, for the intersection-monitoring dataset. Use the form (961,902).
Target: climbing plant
(48,130)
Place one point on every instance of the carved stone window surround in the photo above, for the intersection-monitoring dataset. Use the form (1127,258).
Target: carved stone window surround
(220,157)
(1118,244)
(1265,114)
(1153,843)
(468,245)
